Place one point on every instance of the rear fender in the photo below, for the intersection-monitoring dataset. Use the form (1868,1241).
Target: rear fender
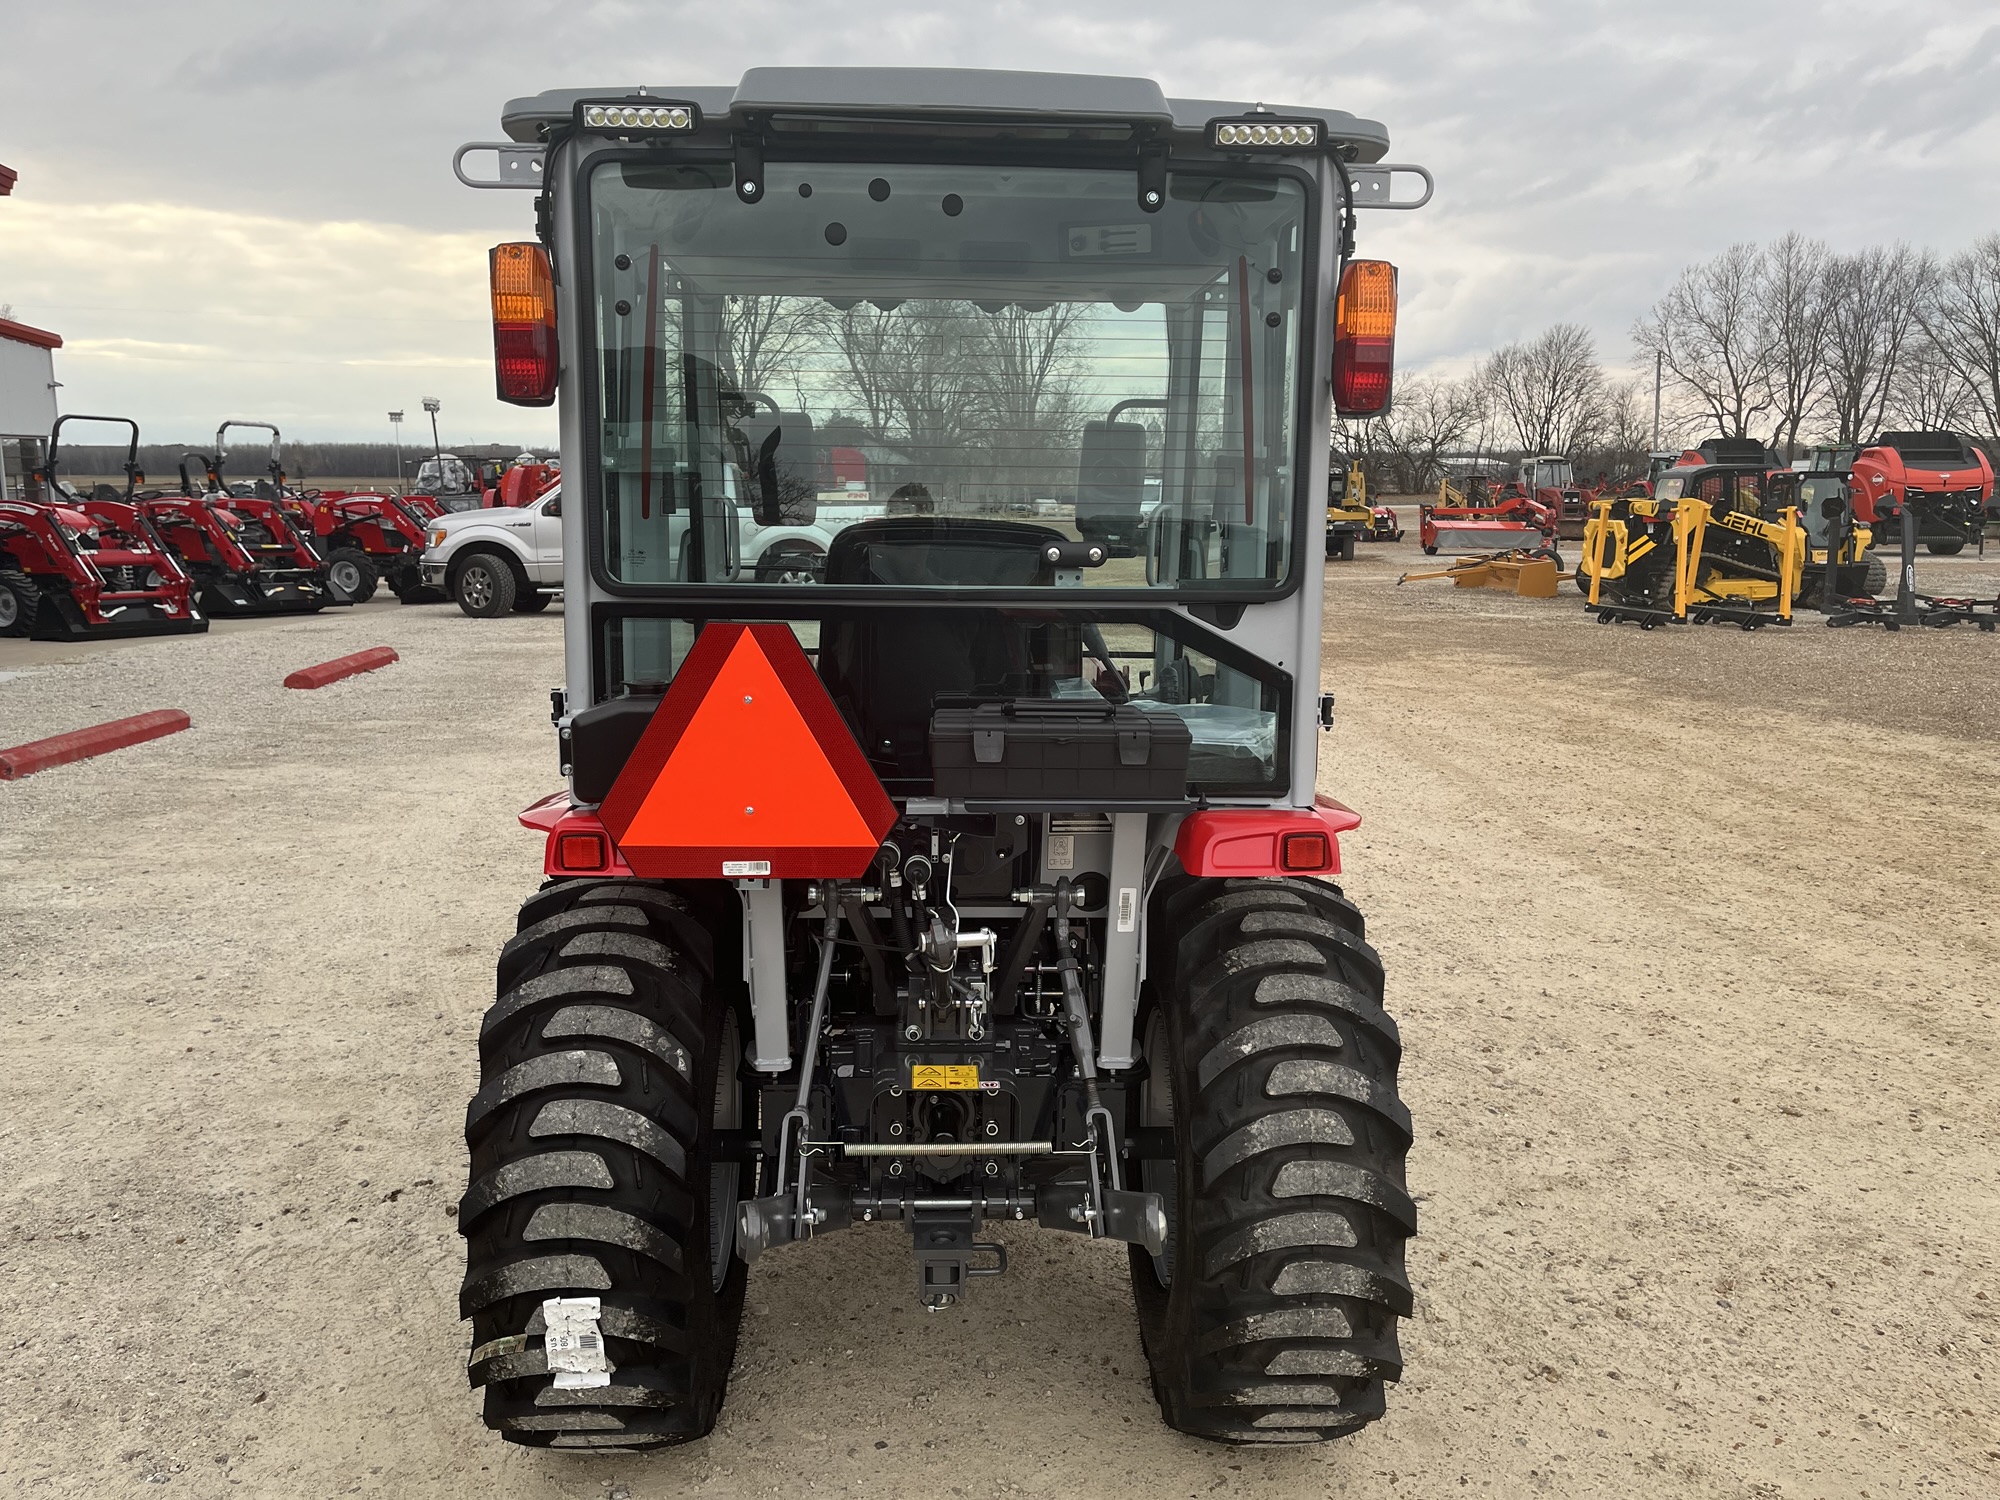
(1265,841)
(577,841)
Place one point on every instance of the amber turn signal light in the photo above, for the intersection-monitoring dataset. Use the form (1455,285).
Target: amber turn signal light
(524,325)
(1364,339)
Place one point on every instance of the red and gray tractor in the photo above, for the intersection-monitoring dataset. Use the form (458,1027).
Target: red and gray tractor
(75,566)
(981,878)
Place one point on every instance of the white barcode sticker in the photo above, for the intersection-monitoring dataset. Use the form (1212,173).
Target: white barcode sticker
(1128,908)
(573,1343)
(745,867)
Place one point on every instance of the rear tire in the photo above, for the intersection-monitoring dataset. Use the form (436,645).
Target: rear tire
(20,601)
(484,586)
(1273,1315)
(1347,548)
(1949,548)
(351,575)
(605,1066)
(532,602)
(1875,575)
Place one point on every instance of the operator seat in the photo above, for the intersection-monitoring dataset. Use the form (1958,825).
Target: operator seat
(885,667)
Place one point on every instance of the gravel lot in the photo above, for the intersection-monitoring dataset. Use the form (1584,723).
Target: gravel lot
(1692,934)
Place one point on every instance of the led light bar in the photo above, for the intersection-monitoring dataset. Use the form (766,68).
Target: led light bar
(1263,132)
(641,116)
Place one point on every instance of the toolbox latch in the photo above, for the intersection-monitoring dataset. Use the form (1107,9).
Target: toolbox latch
(1135,745)
(989,746)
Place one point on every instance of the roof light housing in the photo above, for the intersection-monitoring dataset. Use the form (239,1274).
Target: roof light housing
(1266,133)
(623,116)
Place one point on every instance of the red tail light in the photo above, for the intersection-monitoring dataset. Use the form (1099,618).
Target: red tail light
(1364,339)
(582,851)
(524,325)
(1305,851)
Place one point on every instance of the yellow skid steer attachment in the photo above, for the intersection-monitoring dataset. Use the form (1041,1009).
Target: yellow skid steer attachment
(1519,572)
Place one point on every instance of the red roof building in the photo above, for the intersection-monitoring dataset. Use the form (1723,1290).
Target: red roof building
(8,177)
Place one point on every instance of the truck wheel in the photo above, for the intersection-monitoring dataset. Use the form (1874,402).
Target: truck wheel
(605,1066)
(485,586)
(789,564)
(1949,548)
(351,575)
(19,602)
(1273,1315)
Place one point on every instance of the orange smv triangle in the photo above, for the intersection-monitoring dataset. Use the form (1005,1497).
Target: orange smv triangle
(746,769)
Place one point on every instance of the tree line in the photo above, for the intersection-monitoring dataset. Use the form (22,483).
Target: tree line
(1789,342)
(305,463)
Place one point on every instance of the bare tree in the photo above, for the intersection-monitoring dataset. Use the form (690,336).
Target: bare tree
(1403,450)
(1549,392)
(764,337)
(1961,317)
(1871,314)
(1791,315)
(1708,333)
(1027,393)
(1930,395)
(1625,432)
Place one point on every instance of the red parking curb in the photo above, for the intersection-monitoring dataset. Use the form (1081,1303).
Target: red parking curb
(81,744)
(341,666)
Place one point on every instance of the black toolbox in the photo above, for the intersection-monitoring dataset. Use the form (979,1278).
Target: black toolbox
(1055,750)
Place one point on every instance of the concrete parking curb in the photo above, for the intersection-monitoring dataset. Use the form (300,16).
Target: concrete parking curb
(81,744)
(341,666)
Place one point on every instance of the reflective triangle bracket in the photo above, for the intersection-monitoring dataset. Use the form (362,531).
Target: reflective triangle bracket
(746,769)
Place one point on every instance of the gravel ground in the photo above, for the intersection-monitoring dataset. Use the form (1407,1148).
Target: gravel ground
(1691,933)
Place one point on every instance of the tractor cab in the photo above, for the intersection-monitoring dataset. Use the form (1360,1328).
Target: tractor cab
(926,879)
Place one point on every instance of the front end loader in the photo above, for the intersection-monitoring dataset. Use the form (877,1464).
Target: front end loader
(75,566)
(980,876)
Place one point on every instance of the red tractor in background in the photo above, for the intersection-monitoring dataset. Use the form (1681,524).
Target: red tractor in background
(72,567)
(367,539)
(1550,481)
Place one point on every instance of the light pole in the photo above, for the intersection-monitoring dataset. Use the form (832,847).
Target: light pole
(1659,368)
(396,434)
(432,405)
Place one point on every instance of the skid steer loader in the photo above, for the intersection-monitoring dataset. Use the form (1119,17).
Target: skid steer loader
(1719,543)
(980,877)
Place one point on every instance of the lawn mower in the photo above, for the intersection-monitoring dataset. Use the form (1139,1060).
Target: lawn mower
(74,567)
(1481,515)
(981,877)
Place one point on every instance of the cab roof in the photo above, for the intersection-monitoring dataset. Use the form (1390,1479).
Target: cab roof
(942,93)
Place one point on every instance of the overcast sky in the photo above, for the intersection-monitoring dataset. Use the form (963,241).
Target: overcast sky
(247,210)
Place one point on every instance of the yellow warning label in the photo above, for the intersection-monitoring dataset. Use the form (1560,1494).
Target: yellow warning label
(943,1076)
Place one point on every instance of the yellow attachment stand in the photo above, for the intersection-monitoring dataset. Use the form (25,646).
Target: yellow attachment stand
(1518,572)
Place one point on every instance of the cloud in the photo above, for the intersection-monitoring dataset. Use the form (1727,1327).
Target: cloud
(1585,149)
(183,319)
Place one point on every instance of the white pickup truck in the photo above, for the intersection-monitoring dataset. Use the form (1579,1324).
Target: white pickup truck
(501,560)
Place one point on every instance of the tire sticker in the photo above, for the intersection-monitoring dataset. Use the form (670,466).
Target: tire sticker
(573,1344)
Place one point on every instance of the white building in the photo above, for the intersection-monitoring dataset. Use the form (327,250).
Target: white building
(27,400)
